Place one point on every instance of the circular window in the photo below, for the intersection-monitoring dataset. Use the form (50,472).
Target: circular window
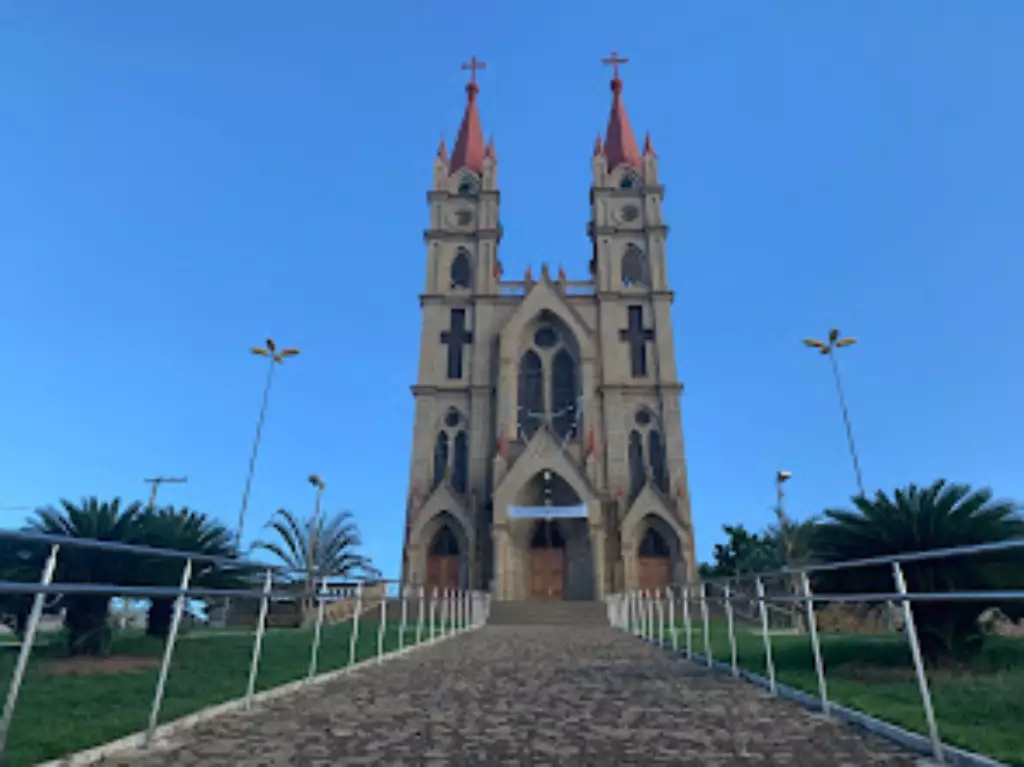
(545,337)
(630,213)
(643,418)
(464,217)
(451,418)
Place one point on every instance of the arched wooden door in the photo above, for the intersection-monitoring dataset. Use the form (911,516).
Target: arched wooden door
(655,562)
(547,562)
(443,561)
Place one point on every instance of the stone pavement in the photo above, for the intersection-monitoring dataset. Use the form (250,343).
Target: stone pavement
(519,695)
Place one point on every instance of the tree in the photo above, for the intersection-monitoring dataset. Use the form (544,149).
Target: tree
(743,552)
(942,515)
(183,530)
(328,549)
(85,615)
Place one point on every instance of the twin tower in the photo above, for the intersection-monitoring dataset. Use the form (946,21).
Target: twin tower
(547,457)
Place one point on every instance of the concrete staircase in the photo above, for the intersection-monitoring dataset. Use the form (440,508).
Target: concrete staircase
(548,614)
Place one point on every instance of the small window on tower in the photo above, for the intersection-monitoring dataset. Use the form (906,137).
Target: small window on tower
(460,270)
(627,182)
(634,268)
(468,185)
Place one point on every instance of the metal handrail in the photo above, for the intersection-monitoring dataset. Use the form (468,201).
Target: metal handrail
(643,612)
(438,614)
(887,559)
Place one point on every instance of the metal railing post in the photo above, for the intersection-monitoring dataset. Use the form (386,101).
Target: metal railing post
(661,618)
(812,629)
(707,624)
(314,653)
(915,652)
(419,614)
(353,638)
(687,625)
(731,626)
(165,664)
(769,661)
(649,615)
(27,641)
(672,619)
(382,625)
(433,611)
(405,615)
(257,645)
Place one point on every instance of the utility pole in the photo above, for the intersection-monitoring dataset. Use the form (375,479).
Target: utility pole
(155,482)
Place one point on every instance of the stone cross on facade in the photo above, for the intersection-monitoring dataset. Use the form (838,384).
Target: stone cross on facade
(637,336)
(455,338)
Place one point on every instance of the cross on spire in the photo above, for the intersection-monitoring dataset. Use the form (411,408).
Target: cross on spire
(614,60)
(472,65)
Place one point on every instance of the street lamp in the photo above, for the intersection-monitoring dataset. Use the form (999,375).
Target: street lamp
(318,483)
(155,483)
(829,349)
(275,357)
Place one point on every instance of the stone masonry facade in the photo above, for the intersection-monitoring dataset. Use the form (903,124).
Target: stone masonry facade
(546,390)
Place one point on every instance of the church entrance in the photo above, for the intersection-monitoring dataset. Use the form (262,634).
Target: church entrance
(654,562)
(547,562)
(443,562)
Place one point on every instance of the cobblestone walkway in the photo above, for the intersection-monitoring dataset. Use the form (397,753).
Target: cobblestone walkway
(527,696)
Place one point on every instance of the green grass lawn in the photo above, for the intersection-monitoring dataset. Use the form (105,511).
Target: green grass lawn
(60,713)
(979,707)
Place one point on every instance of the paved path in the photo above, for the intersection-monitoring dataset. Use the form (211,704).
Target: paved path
(508,695)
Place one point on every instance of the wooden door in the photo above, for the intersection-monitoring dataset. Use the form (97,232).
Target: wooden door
(654,573)
(442,573)
(547,573)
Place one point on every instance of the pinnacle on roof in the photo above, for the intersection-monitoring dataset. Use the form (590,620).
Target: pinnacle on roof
(619,143)
(469,148)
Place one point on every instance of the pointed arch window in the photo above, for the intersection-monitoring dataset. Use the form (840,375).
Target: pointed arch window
(461,274)
(468,185)
(634,268)
(445,543)
(654,545)
(656,457)
(637,472)
(460,463)
(531,411)
(563,394)
(440,457)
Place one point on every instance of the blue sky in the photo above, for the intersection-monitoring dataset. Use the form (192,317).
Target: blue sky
(180,180)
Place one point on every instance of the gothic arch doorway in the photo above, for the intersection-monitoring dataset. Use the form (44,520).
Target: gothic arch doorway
(654,561)
(547,561)
(443,566)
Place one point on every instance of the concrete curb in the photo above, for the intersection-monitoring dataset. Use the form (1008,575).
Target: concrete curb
(165,732)
(911,741)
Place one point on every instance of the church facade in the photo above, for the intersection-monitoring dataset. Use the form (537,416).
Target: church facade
(547,458)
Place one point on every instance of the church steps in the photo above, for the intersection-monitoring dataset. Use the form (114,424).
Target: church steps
(528,613)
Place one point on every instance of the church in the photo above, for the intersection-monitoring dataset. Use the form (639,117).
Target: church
(547,458)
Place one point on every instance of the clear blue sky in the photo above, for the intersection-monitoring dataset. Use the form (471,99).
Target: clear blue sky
(179,180)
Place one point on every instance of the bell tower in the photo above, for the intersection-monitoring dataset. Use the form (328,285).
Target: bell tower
(638,361)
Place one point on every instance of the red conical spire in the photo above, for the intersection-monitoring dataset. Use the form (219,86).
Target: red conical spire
(619,143)
(469,148)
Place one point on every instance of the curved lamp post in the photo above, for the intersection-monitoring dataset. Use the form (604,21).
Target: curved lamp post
(319,484)
(829,350)
(275,358)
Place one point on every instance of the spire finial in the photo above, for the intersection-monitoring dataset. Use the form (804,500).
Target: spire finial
(473,65)
(469,150)
(614,60)
(619,144)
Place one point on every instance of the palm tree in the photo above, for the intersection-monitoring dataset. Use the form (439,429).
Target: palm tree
(328,549)
(942,515)
(184,530)
(85,616)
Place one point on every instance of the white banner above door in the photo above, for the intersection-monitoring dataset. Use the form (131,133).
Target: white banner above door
(547,512)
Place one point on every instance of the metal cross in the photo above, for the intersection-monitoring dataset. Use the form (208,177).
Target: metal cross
(615,60)
(472,65)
